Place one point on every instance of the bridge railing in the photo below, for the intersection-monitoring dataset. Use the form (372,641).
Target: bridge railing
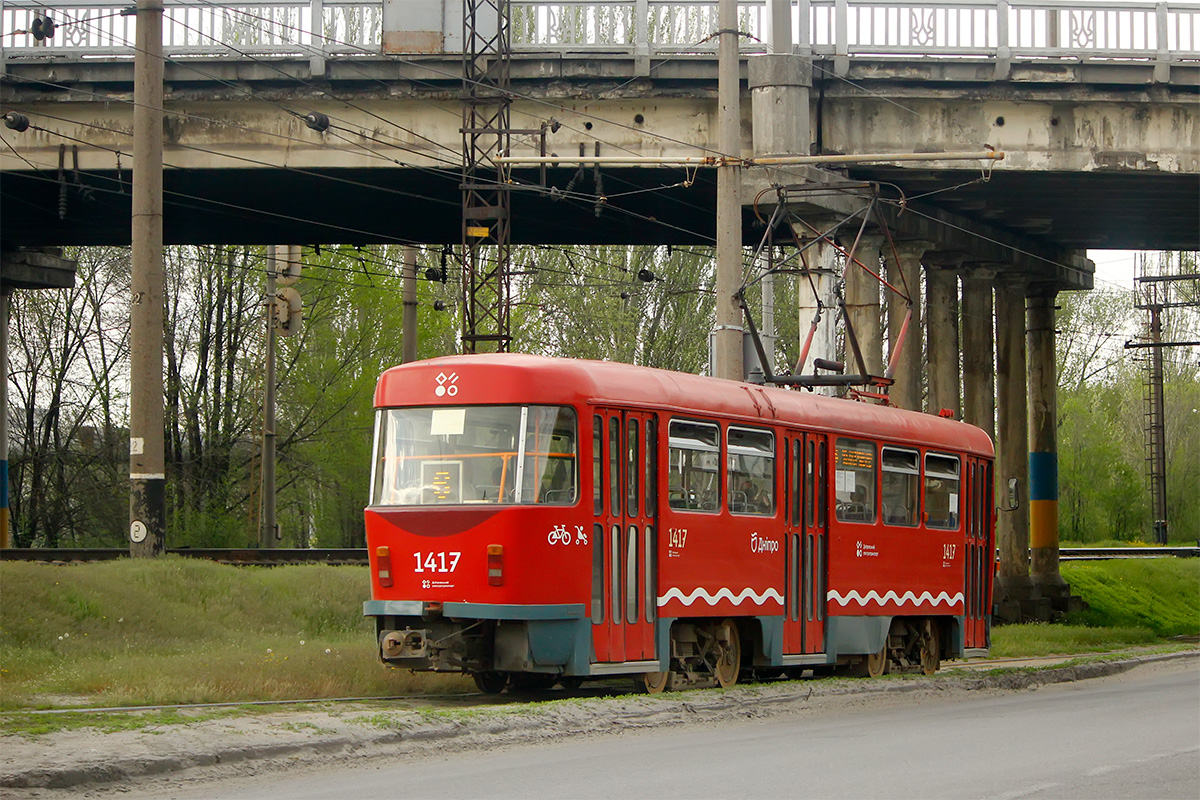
(1163,32)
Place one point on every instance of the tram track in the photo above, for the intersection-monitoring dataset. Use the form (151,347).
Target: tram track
(358,556)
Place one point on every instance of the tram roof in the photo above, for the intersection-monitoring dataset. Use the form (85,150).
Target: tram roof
(517,378)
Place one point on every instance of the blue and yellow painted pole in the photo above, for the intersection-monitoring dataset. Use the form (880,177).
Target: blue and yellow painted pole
(1043,500)
(1043,441)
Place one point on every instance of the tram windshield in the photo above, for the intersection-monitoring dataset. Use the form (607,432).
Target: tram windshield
(522,455)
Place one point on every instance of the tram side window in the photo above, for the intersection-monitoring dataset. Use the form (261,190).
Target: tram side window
(549,473)
(854,480)
(941,491)
(693,475)
(751,457)
(900,484)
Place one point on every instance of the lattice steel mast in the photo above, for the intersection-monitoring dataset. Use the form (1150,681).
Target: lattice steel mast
(487,48)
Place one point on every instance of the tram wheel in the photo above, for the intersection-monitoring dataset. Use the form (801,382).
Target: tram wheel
(571,682)
(877,663)
(658,682)
(728,653)
(930,648)
(490,681)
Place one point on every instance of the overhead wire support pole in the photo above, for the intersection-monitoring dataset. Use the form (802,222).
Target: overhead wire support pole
(147,464)
(268,528)
(486,185)
(727,331)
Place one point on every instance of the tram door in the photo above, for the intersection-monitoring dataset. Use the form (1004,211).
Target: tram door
(807,522)
(624,546)
(979,561)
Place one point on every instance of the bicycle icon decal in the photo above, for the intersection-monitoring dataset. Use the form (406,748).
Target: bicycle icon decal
(560,535)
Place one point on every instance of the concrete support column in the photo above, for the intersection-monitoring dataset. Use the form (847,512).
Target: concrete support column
(942,350)
(815,290)
(906,276)
(779,104)
(1013,586)
(862,306)
(979,374)
(1043,443)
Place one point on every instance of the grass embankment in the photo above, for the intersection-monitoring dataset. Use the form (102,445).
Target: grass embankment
(176,630)
(1132,602)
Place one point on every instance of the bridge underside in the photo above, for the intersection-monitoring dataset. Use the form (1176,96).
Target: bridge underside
(1106,210)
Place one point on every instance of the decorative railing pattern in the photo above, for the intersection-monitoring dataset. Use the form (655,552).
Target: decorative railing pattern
(1005,29)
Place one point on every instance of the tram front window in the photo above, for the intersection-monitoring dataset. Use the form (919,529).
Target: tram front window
(475,454)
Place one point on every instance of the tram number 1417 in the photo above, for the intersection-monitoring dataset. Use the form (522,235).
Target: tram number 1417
(436,562)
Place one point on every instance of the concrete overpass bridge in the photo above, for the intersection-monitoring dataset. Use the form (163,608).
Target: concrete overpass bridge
(1094,104)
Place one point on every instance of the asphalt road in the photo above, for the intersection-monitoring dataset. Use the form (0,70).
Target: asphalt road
(1134,736)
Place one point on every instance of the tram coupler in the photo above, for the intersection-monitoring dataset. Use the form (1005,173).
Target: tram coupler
(404,644)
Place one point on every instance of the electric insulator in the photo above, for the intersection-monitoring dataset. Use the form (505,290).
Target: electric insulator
(16,121)
(624,295)
(645,275)
(42,28)
(433,275)
(438,305)
(317,121)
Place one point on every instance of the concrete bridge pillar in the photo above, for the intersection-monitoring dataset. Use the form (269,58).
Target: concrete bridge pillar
(862,305)
(779,104)
(979,373)
(906,275)
(1043,443)
(817,285)
(942,352)
(1014,589)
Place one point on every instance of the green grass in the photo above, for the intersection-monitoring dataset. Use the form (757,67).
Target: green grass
(176,630)
(1132,603)
(1160,594)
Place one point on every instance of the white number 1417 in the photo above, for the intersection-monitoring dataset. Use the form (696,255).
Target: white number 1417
(436,562)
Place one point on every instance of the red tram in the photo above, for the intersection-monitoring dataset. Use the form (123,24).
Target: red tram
(537,520)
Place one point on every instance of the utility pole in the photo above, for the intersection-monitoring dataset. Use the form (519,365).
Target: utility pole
(1158,429)
(1157,292)
(147,469)
(5,539)
(281,307)
(726,342)
(486,186)
(408,328)
(268,528)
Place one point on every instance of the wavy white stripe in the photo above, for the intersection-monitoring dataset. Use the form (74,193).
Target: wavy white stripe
(892,597)
(722,594)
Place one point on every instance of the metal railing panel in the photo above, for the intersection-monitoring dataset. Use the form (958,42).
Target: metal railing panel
(1016,29)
